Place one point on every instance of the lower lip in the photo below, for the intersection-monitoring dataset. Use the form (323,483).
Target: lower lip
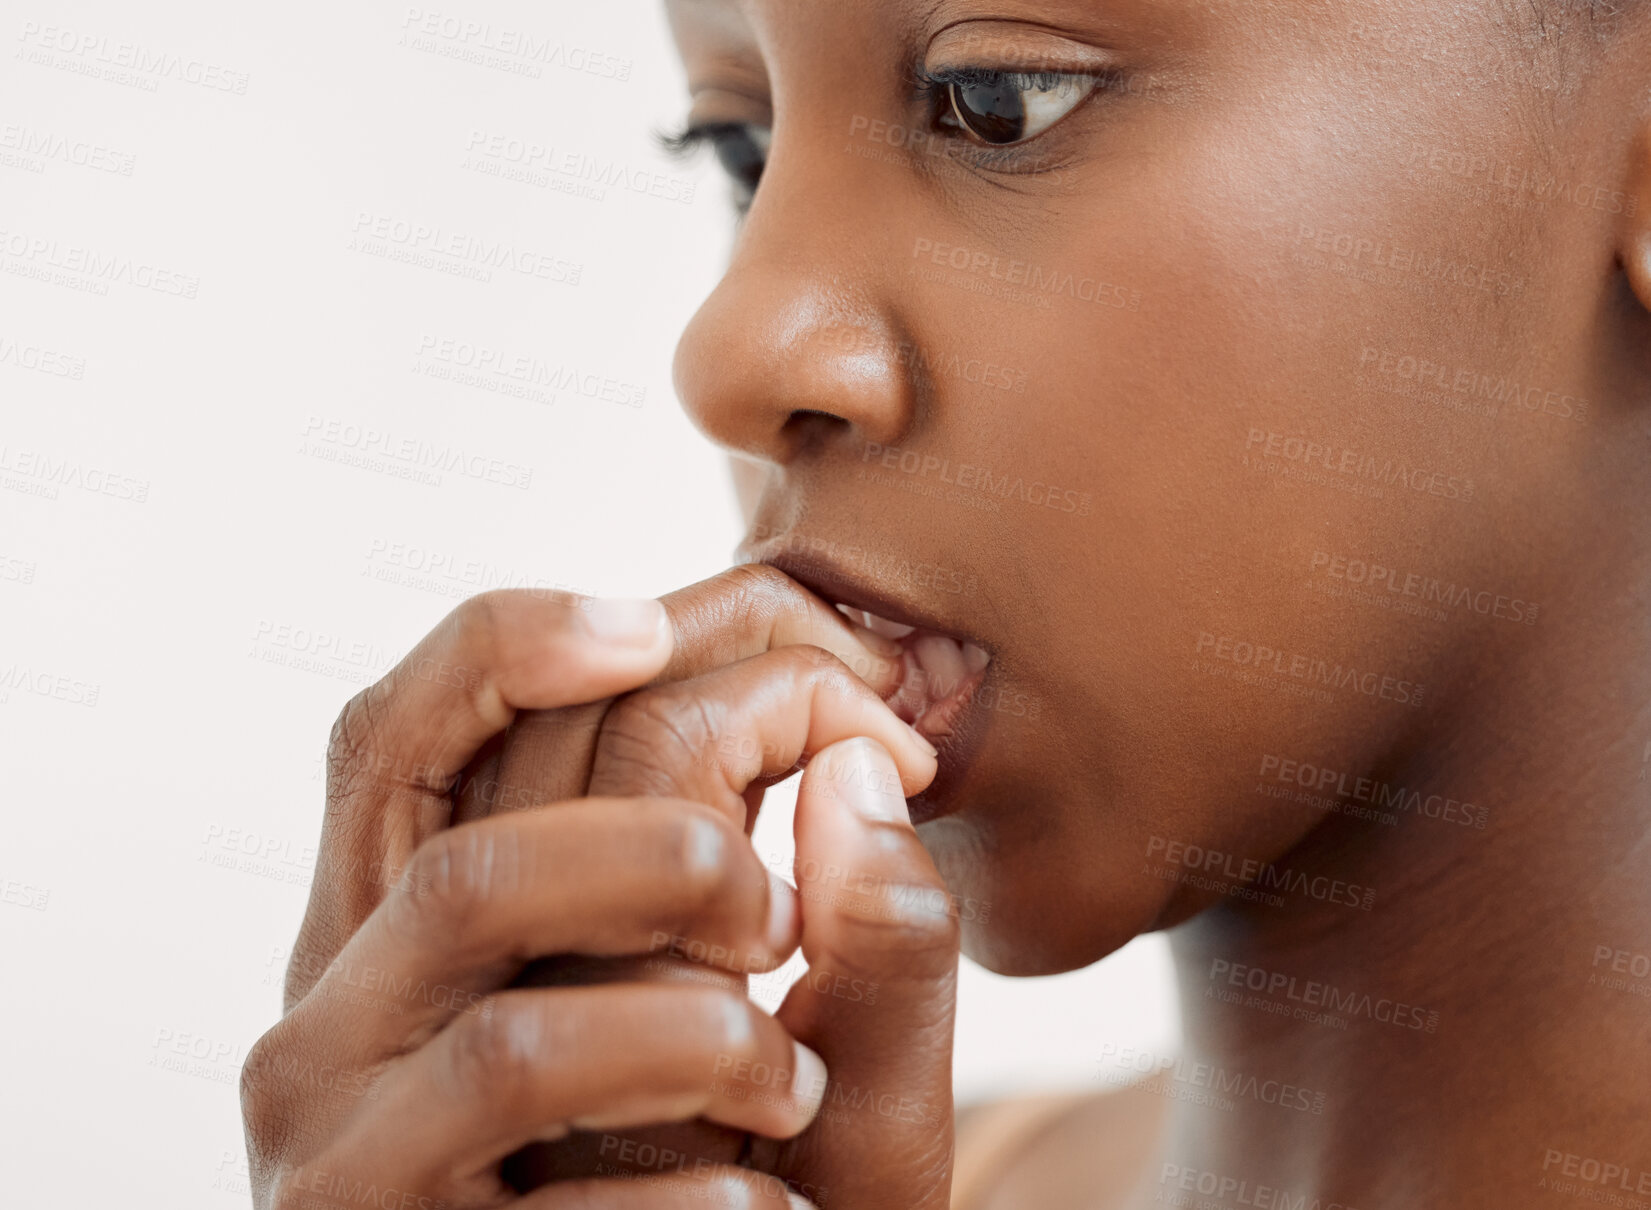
(961,726)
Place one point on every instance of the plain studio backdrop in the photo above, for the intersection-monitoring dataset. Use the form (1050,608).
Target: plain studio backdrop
(251,287)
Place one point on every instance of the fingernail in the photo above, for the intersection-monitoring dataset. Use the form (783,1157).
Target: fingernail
(798,1202)
(879,643)
(808,1079)
(864,776)
(625,622)
(781,935)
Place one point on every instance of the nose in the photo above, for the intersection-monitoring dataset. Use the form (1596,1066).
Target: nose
(801,344)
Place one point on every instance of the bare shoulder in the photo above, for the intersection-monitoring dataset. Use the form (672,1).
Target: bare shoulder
(1084,1151)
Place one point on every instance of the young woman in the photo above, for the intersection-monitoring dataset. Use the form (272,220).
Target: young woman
(1196,457)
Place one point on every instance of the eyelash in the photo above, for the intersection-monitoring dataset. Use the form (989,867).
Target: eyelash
(932,90)
(722,137)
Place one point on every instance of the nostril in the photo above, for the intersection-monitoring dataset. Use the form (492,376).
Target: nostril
(809,426)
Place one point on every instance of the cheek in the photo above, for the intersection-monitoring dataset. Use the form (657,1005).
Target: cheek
(1217,605)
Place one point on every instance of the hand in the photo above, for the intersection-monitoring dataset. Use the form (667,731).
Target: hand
(878,928)
(401,1064)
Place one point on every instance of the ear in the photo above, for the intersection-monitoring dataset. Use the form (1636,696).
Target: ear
(1635,247)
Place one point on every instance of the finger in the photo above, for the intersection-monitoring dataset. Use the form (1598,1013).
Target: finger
(544,757)
(594,877)
(711,738)
(740,613)
(668,1184)
(544,1063)
(398,746)
(754,608)
(875,914)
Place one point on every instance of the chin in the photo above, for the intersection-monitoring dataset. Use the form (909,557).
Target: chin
(1031,921)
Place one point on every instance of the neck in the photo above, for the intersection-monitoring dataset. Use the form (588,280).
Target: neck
(1478,1037)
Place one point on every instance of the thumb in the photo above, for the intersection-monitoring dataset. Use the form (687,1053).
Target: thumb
(878,1000)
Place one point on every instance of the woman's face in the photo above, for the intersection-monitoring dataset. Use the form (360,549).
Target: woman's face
(1234,412)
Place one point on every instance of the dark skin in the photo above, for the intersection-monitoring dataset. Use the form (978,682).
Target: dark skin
(1248,242)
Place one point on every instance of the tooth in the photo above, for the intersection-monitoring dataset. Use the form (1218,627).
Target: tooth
(974,658)
(910,700)
(886,628)
(942,661)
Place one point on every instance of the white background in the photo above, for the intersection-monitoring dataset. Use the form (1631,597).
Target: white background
(158,839)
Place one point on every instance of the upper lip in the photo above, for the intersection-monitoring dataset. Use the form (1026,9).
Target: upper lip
(829,579)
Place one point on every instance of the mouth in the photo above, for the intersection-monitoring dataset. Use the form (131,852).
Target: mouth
(940,672)
(943,671)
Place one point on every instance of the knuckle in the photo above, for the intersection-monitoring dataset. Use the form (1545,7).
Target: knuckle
(657,736)
(724,1021)
(761,593)
(700,849)
(914,937)
(265,1099)
(816,665)
(356,733)
(487,1055)
(447,887)
(480,618)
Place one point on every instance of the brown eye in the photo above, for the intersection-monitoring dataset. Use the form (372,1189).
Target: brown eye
(741,148)
(1000,107)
